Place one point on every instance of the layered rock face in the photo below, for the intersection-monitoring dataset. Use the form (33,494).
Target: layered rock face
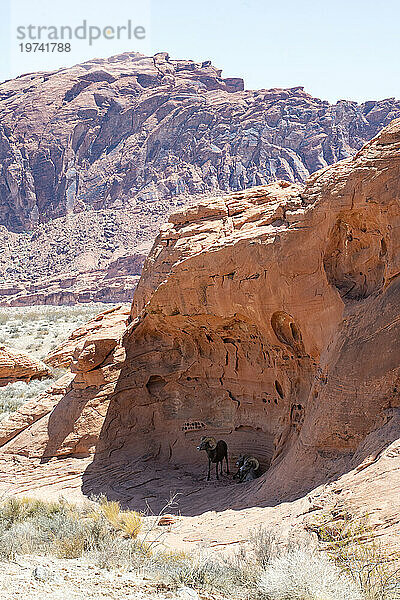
(269,318)
(20,366)
(103,151)
(142,130)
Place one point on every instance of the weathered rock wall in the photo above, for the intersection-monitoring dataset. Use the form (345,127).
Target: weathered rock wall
(269,318)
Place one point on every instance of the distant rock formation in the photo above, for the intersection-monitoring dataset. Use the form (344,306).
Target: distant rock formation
(90,257)
(94,158)
(16,365)
(81,389)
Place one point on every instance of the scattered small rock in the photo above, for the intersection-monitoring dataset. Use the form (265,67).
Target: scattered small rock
(42,573)
(187,593)
(166,520)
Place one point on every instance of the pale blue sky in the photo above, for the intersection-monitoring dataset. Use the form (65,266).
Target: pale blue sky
(340,49)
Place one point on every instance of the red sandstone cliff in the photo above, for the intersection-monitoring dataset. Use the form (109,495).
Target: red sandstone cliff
(268,317)
(20,366)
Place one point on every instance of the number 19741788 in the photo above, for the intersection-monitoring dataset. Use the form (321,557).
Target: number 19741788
(48,47)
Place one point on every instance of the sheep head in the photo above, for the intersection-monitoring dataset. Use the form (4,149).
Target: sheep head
(250,463)
(209,443)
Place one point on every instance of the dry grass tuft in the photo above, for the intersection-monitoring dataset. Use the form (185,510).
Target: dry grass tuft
(129,522)
(69,546)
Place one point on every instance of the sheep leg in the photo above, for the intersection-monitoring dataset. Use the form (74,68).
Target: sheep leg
(216,469)
(209,468)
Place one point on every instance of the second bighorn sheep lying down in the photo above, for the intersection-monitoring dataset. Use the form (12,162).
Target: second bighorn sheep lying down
(247,468)
(216,452)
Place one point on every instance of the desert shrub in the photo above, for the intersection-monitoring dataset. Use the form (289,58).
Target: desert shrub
(16,510)
(66,530)
(349,540)
(13,395)
(263,545)
(33,526)
(115,552)
(129,522)
(200,571)
(268,568)
(235,576)
(301,575)
(21,538)
(108,537)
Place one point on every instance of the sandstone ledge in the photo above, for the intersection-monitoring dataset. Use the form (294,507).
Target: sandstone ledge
(16,365)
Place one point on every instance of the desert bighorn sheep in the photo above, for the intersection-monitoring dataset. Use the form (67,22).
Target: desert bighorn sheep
(216,452)
(248,467)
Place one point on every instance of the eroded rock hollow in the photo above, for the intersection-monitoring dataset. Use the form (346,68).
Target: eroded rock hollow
(270,318)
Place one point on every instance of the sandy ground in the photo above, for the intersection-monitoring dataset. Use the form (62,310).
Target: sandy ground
(44,578)
(206,514)
(201,519)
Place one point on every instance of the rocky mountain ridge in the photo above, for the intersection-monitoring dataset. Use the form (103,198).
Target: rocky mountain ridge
(119,143)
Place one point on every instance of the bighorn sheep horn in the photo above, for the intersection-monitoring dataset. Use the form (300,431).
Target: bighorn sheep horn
(253,462)
(212,442)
